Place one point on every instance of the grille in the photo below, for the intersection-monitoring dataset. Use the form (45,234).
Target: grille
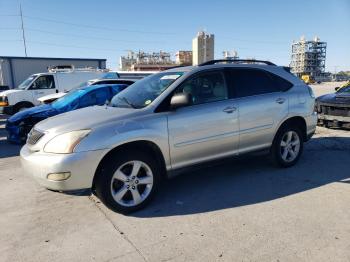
(34,136)
(335,111)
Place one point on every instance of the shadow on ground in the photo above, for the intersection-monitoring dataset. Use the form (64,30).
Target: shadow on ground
(250,180)
(6,149)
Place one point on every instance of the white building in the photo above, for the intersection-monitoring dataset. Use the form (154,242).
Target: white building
(202,48)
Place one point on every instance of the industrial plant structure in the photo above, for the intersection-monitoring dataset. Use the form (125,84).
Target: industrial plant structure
(183,58)
(308,58)
(142,61)
(230,54)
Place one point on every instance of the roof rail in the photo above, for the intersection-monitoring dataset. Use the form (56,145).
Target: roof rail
(71,68)
(237,61)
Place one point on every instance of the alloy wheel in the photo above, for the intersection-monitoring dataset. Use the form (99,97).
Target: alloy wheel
(290,146)
(132,183)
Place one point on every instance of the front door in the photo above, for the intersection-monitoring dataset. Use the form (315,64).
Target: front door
(208,128)
(42,86)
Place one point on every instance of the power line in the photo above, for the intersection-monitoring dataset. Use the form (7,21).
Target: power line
(73,46)
(255,41)
(89,37)
(10,28)
(11,40)
(97,27)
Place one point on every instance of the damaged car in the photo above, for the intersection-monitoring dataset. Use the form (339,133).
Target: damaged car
(19,125)
(334,109)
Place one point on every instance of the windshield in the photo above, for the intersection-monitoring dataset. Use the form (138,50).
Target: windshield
(145,91)
(344,90)
(71,99)
(26,82)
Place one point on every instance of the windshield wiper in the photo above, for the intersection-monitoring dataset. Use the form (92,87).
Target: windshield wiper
(127,101)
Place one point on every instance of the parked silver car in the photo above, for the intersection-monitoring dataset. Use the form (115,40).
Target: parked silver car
(170,121)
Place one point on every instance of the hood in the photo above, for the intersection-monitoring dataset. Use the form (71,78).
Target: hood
(335,98)
(51,97)
(11,91)
(42,111)
(85,118)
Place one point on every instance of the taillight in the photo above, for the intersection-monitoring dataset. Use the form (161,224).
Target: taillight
(311,92)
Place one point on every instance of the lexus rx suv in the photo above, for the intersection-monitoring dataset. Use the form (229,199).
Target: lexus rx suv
(168,122)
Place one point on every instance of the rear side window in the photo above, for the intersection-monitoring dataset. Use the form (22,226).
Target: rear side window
(283,84)
(117,89)
(250,82)
(96,97)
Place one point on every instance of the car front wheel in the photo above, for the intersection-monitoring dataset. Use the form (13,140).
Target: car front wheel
(128,181)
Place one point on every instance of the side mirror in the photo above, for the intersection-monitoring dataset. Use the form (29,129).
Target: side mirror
(180,100)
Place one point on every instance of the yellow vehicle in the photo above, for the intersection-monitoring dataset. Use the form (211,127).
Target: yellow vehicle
(342,86)
(308,79)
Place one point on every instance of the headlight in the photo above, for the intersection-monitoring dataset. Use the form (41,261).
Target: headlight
(65,143)
(4,101)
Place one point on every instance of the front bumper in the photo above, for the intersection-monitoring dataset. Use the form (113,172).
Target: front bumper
(333,121)
(8,110)
(82,167)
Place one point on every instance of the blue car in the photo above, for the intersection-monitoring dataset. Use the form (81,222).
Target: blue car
(19,125)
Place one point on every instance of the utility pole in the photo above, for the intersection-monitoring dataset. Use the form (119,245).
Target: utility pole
(23,35)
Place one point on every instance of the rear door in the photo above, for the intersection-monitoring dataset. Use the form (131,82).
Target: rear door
(262,105)
(207,129)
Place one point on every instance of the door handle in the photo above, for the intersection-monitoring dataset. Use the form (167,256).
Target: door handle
(229,109)
(280,100)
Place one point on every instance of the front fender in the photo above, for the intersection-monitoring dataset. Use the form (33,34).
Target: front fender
(151,129)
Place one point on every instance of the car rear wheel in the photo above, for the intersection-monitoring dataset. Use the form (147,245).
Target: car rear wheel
(287,146)
(128,181)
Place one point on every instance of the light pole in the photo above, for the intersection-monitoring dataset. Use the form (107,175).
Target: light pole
(23,35)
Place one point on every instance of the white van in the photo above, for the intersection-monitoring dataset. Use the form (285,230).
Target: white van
(54,81)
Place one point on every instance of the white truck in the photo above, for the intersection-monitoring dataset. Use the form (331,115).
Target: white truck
(35,86)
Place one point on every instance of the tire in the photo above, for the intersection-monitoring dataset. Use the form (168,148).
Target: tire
(287,146)
(121,190)
(21,106)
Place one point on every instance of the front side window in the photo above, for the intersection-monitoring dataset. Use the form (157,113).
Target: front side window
(204,88)
(44,82)
(250,82)
(145,91)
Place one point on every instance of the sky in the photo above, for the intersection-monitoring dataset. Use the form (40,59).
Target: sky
(260,29)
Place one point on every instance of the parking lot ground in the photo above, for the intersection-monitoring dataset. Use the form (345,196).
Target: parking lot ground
(239,210)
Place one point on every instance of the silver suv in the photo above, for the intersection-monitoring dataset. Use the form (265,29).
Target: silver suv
(170,121)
